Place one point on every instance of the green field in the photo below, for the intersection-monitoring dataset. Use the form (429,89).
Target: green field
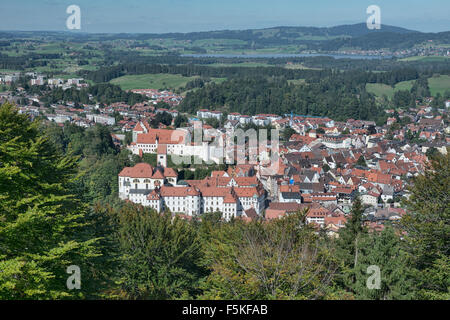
(241,64)
(425,59)
(437,84)
(297,81)
(380,89)
(155,81)
(152,81)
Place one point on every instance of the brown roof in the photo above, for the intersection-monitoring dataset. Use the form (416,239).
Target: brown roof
(169,172)
(163,136)
(162,149)
(286,206)
(251,213)
(140,170)
(178,191)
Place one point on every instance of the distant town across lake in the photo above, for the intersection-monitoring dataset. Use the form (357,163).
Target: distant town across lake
(286,55)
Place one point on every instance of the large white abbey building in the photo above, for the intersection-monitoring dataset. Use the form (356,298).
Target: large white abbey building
(158,188)
(177,142)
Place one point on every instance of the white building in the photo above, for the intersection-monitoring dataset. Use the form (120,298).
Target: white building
(206,114)
(175,142)
(75,81)
(102,119)
(370,199)
(157,188)
(144,178)
(39,81)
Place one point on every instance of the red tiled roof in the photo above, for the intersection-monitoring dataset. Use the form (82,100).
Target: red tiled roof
(169,172)
(179,191)
(163,136)
(140,170)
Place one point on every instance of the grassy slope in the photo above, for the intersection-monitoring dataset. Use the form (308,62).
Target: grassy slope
(439,84)
(155,81)
(436,84)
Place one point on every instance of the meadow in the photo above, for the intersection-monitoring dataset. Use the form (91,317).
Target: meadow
(155,81)
(440,83)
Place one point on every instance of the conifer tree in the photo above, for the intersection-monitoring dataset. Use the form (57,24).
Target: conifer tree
(383,251)
(160,255)
(427,229)
(39,217)
(349,244)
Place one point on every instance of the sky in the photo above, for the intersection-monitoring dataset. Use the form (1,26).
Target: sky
(161,16)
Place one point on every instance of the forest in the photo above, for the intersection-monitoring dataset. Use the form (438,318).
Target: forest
(340,96)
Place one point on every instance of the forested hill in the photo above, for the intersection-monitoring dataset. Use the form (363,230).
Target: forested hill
(309,38)
(290,33)
(285,33)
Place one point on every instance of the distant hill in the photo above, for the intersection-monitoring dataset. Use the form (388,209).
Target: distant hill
(351,30)
(360,29)
(287,33)
(310,38)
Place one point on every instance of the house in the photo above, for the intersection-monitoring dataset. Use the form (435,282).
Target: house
(290,197)
(317,214)
(388,193)
(207,114)
(231,124)
(250,215)
(333,223)
(370,199)
(279,210)
(185,200)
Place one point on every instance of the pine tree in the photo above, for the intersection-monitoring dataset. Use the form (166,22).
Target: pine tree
(361,162)
(384,251)
(160,255)
(39,217)
(282,259)
(349,244)
(427,229)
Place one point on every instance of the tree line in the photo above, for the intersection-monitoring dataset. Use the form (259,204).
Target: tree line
(338,99)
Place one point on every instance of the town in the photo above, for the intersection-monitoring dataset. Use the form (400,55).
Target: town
(214,157)
(322,164)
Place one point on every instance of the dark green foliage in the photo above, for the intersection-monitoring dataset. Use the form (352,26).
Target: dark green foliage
(349,244)
(161,117)
(383,250)
(180,121)
(40,217)
(427,224)
(333,97)
(280,260)
(160,255)
(403,99)
(102,93)
(361,161)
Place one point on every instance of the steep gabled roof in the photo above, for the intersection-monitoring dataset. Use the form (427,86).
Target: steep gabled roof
(140,170)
